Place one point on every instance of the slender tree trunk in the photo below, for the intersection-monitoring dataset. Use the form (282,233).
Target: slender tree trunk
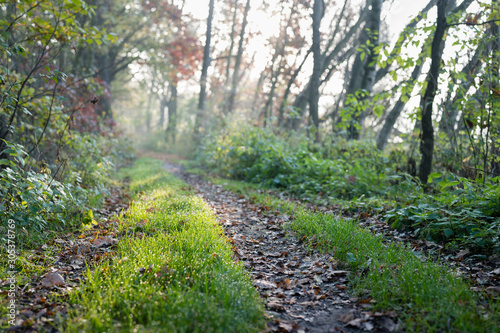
(365,76)
(427,138)
(172,114)
(495,129)
(318,9)
(237,63)
(200,116)
(230,55)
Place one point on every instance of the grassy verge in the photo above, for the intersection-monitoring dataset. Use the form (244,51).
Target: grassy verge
(429,296)
(173,271)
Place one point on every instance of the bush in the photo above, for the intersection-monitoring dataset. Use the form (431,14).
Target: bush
(40,199)
(341,170)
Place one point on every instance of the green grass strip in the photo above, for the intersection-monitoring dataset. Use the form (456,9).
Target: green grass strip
(173,273)
(429,296)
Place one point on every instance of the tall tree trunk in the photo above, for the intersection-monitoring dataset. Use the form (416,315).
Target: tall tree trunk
(237,63)
(364,70)
(172,115)
(230,55)
(427,137)
(318,9)
(200,116)
(495,129)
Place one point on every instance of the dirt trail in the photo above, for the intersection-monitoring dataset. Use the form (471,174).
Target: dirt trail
(304,290)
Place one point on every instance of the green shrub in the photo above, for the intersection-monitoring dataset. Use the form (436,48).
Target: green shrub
(341,170)
(41,198)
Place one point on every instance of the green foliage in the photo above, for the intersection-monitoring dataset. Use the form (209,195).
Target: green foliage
(460,210)
(344,169)
(39,201)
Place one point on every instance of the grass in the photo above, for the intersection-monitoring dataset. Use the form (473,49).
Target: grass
(173,271)
(429,296)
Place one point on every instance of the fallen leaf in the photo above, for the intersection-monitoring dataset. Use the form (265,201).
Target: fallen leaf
(263,284)
(346,317)
(389,324)
(494,291)
(367,326)
(52,279)
(275,306)
(104,241)
(286,326)
(355,323)
(462,253)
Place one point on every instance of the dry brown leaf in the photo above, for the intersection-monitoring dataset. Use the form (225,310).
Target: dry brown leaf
(355,323)
(52,279)
(263,284)
(286,326)
(275,306)
(346,317)
(104,241)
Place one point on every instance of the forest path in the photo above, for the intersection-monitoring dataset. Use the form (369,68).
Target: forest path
(304,290)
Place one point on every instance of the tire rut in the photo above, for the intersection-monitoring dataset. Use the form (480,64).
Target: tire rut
(304,290)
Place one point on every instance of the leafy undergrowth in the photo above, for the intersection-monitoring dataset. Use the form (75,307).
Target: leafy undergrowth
(173,270)
(430,296)
(457,211)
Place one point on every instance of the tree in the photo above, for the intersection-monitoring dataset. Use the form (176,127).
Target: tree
(318,10)
(426,103)
(200,116)
(340,50)
(237,64)
(364,68)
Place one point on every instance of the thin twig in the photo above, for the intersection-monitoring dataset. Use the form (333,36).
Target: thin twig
(472,24)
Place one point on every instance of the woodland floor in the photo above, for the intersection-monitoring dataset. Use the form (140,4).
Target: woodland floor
(304,290)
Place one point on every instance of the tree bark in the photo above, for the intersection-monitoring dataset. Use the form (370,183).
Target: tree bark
(200,116)
(364,70)
(318,9)
(427,137)
(230,55)
(237,63)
